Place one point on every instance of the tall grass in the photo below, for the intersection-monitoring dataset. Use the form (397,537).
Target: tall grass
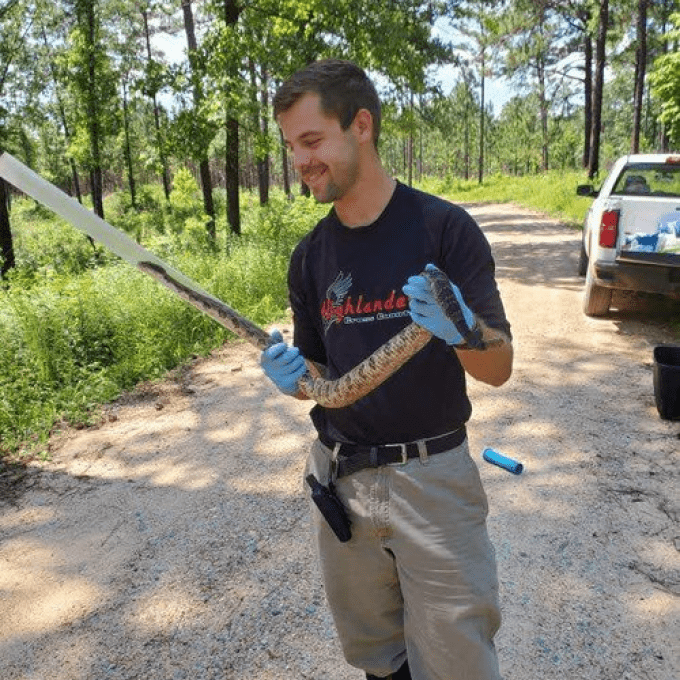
(78,326)
(553,193)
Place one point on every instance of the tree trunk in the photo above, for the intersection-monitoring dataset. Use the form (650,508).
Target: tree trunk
(588,96)
(481,123)
(231,14)
(233,209)
(93,112)
(284,167)
(543,105)
(204,166)
(542,102)
(263,164)
(156,115)
(600,57)
(64,122)
(663,144)
(466,154)
(640,67)
(208,203)
(67,133)
(420,154)
(260,124)
(76,180)
(128,150)
(7,261)
(409,148)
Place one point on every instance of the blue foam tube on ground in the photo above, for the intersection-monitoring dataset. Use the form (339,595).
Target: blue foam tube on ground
(491,456)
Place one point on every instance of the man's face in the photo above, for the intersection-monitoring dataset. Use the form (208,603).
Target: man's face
(325,155)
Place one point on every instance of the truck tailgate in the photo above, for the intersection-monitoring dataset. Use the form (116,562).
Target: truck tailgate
(660,259)
(640,215)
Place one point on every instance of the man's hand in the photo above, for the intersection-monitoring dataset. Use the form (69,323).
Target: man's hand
(283,365)
(427,313)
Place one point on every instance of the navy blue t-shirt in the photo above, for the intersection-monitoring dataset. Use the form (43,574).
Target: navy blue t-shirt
(345,292)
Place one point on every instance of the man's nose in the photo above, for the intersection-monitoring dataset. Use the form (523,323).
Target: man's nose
(301,158)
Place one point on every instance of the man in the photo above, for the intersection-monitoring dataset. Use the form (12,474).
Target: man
(413,592)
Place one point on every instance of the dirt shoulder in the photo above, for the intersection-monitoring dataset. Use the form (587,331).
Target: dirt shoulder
(172,541)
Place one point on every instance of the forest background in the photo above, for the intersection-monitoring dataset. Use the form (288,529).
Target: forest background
(180,150)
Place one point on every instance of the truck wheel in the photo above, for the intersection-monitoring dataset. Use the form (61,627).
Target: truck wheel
(596,299)
(582,261)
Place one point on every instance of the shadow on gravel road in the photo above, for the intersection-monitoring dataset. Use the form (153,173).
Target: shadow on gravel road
(587,538)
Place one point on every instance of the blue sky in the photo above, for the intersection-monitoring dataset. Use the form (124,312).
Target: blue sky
(496,90)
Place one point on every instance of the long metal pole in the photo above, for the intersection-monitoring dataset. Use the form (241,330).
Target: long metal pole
(27,181)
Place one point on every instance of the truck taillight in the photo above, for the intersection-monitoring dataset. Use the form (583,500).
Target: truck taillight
(609,228)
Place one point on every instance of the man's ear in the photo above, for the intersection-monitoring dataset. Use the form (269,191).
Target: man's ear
(363,125)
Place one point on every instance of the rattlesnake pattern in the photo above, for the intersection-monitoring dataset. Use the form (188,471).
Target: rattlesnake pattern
(362,379)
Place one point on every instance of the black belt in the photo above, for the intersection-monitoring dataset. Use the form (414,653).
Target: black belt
(351,458)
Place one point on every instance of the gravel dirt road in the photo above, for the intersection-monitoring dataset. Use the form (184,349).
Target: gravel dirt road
(172,541)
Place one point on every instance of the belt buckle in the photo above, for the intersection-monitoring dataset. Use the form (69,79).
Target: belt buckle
(404,455)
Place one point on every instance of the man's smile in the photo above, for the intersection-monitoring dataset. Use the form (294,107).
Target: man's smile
(312,174)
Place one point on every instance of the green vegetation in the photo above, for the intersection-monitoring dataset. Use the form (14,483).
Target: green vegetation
(77,326)
(553,193)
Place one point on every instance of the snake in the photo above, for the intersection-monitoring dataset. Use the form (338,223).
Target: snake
(367,375)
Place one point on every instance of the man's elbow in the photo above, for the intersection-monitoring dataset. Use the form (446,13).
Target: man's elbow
(492,367)
(499,379)
(504,367)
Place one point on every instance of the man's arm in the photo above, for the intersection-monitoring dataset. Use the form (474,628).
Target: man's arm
(493,365)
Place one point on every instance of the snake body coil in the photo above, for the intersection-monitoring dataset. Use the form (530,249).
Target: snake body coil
(362,379)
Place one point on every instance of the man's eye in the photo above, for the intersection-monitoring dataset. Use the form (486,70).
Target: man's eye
(313,143)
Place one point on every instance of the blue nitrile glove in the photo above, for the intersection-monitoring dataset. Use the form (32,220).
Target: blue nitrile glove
(427,313)
(282,364)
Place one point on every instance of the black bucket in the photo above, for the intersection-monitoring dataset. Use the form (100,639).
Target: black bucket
(667,381)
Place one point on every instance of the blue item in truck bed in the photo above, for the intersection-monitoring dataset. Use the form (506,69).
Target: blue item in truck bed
(642,243)
(666,238)
(669,223)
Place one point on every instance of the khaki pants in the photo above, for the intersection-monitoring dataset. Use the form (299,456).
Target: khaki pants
(417,579)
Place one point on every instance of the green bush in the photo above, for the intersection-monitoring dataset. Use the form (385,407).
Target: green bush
(46,245)
(553,193)
(77,328)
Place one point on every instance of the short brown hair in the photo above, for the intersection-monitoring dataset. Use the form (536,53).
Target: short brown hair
(343,89)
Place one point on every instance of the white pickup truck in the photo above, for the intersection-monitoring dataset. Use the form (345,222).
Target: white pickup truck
(631,235)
